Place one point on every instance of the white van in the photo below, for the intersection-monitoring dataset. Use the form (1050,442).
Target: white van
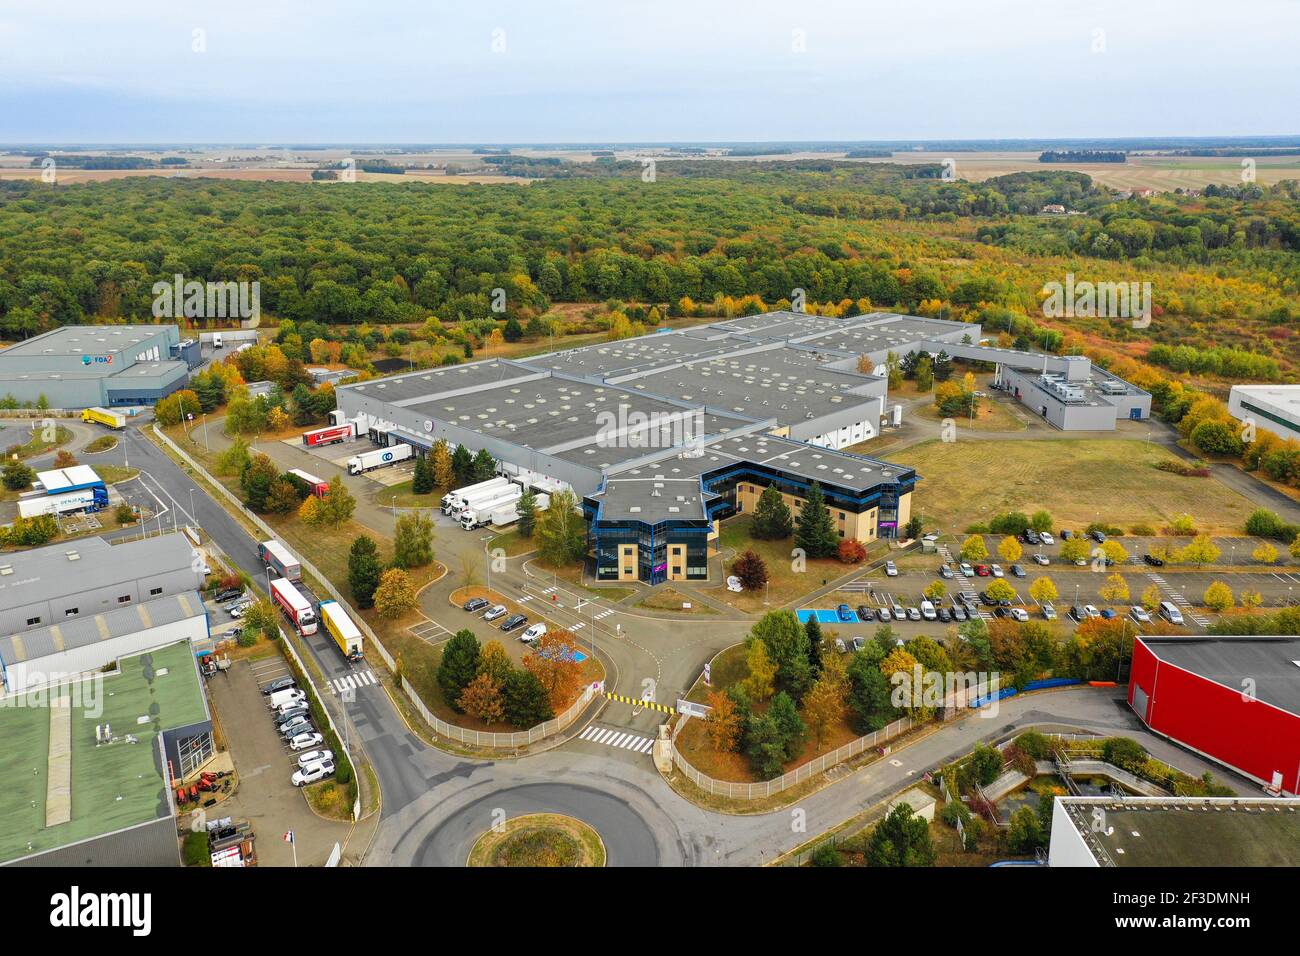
(533,633)
(216,340)
(282,697)
(928,612)
(1169,611)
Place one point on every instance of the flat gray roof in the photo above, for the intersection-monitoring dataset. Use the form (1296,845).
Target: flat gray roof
(635,355)
(85,339)
(44,573)
(93,628)
(427,383)
(1189,831)
(1273,663)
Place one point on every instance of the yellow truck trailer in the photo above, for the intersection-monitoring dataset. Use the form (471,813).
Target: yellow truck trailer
(341,627)
(104,417)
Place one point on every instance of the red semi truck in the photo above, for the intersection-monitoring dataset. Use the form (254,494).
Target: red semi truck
(330,435)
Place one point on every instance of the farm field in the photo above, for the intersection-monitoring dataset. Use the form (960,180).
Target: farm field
(1077,480)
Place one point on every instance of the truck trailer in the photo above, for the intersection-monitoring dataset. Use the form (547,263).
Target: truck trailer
(308,483)
(342,628)
(475,498)
(379,458)
(454,500)
(329,435)
(280,560)
(104,417)
(295,606)
(83,499)
(508,515)
(478,514)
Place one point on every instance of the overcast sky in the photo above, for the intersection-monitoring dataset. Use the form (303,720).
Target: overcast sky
(258,71)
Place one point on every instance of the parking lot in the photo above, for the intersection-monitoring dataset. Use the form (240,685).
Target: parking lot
(264,763)
(336,457)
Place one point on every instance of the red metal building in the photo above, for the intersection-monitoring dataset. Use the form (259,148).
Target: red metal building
(1235,700)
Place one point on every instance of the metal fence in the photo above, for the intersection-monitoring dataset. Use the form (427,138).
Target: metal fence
(510,741)
(472,737)
(757,791)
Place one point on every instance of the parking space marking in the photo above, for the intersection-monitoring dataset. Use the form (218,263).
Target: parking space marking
(429,631)
(618,738)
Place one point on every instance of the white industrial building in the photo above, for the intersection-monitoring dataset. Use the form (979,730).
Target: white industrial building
(1275,408)
(75,607)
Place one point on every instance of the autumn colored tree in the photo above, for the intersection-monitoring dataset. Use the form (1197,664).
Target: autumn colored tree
(1201,550)
(761,682)
(999,590)
(723,722)
(751,569)
(1115,590)
(444,475)
(482,698)
(554,662)
(852,551)
(974,549)
(1043,590)
(1009,549)
(825,704)
(395,595)
(1265,553)
(1218,597)
(1152,597)
(283,497)
(494,661)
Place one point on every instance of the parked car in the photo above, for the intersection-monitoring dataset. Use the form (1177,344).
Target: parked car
(945,571)
(1049,612)
(944,614)
(1078,613)
(533,633)
(841,646)
(1019,614)
(1030,536)
(513,622)
(1097,536)
(859,643)
(239,610)
(291,711)
(982,570)
(865,613)
(1046,538)
(891,570)
(494,612)
(1066,534)
(845,613)
(280,683)
(882,614)
(315,756)
(966,570)
(1109,613)
(899,613)
(1040,558)
(475,604)
(928,612)
(1002,612)
(1140,615)
(305,740)
(1152,560)
(1091,611)
(1017,570)
(1169,611)
(317,771)
(913,614)
(996,569)
(227,594)
(988,600)
(959,613)
(299,725)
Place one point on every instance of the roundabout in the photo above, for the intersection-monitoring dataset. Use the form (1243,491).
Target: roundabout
(539,840)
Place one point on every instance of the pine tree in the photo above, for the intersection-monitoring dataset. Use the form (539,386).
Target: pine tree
(484,466)
(527,511)
(815,531)
(459,666)
(363,571)
(772,519)
(462,465)
(422,480)
(814,632)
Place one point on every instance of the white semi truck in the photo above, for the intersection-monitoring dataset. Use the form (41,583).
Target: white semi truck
(454,501)
(480,513)
(379,458)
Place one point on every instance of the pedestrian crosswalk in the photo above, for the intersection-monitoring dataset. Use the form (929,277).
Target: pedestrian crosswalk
(1177,597)
(604,614)
(618,738)
(364,678)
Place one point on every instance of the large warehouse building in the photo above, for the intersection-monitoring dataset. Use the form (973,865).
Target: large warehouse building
(73,608)
(1235,700)
(1275,408)
(665,434)
(89,771)
(80,366)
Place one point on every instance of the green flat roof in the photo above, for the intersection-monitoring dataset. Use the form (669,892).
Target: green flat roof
(114,786)
(1255,833)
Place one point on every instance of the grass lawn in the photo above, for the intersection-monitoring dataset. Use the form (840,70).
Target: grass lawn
(1075,479)
(539,840)
(406,498)
(329,799)
(112,474)
(512,543)
(670,599)
(992,416)
(573,574)
(101,444)
(36,444)
(784,583)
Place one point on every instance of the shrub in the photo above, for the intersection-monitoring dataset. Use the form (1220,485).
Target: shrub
(852,551)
